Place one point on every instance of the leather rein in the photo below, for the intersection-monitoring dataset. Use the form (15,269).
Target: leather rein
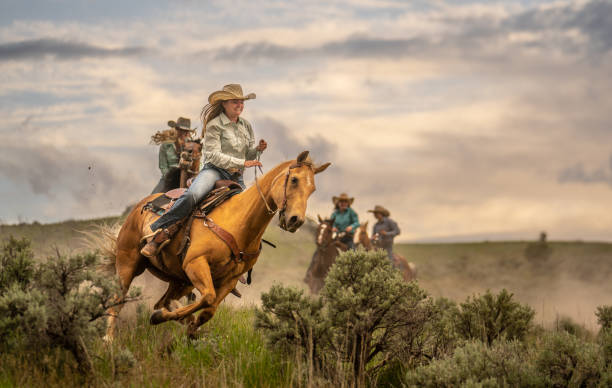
(265,201)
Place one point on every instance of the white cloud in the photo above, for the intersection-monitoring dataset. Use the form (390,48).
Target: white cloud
(458,117)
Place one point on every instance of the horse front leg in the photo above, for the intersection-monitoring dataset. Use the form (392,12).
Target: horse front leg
(208,312)
(176,290)
(198,272)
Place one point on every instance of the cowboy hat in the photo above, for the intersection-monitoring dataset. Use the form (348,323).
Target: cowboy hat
(343,197)
(229,92)
(381,210)
(181,123)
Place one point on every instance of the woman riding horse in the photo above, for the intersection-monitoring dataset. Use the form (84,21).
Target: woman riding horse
(171,143)
(229,148)
(345,219)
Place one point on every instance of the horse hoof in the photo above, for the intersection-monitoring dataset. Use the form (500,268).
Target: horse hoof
(157,317)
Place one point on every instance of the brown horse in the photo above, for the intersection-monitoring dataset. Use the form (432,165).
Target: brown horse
(209,264)
(407,269)
(189,165)
(328,248)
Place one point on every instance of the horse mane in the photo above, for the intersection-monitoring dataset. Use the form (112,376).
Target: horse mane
(163,136)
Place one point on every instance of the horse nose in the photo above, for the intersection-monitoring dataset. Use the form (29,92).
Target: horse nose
(295,222)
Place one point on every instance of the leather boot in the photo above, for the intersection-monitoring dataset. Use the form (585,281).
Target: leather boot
(155,243)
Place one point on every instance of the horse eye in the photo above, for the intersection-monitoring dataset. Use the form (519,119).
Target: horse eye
(294,180)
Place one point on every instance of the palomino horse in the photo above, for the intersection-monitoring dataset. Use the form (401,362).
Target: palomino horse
(209,264)
(328,247)
(407,269)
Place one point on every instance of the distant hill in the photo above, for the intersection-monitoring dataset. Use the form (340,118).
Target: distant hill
(572,281)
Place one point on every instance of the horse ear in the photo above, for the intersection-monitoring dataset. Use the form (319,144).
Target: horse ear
(302,156)
(321,168)
(365,225)
(320,219)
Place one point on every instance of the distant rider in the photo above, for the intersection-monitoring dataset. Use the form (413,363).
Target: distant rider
(171,143)
(345,219)
(229,148)
(385,230)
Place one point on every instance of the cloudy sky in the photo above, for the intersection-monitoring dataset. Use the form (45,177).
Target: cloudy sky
(466,119)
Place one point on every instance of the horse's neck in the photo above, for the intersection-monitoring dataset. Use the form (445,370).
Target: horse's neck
(367,243)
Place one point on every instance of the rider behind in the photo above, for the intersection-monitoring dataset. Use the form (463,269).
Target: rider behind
(229,148)
(171,143)
(345,219)
(384,230)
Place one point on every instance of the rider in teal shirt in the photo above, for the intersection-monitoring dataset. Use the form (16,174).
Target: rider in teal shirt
(345,219)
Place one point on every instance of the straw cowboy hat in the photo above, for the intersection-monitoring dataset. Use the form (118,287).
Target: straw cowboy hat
(229,92)
(343,197)
(181,123)
(381,210)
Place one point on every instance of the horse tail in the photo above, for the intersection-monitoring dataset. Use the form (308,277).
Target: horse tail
(102,238)
(413,269)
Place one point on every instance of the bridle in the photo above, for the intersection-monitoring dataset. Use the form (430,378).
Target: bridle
(281,213)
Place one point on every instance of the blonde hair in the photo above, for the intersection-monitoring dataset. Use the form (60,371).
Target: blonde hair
(209,112)
(163,136)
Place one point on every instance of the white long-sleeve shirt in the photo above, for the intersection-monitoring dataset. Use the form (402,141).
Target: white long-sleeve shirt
(227,144)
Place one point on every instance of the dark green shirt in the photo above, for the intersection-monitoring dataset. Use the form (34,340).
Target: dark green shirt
(168,156)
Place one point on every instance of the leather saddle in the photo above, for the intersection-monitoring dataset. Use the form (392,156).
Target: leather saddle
(223,190)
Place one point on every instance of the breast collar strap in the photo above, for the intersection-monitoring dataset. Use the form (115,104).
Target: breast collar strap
(229,240)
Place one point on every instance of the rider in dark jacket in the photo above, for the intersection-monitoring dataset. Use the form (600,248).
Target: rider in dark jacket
(385,230)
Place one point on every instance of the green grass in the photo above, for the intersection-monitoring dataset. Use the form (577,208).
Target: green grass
(228,353)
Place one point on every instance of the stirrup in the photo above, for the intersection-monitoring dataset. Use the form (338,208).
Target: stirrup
(153,242)
(149,237)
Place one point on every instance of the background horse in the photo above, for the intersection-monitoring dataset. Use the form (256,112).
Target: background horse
(211,264)
(408,269)
(189,166)
(328,248)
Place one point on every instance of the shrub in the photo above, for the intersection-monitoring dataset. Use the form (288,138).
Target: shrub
(566,324)
(56,304)
(605,342)
(440,335)
(490,317)
(566,360)
(372,313)
(293,321)
(16,263)
(476,364)
(604,316)
(366,317)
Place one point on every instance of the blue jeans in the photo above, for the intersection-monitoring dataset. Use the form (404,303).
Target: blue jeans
(389,249)
(202,185)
